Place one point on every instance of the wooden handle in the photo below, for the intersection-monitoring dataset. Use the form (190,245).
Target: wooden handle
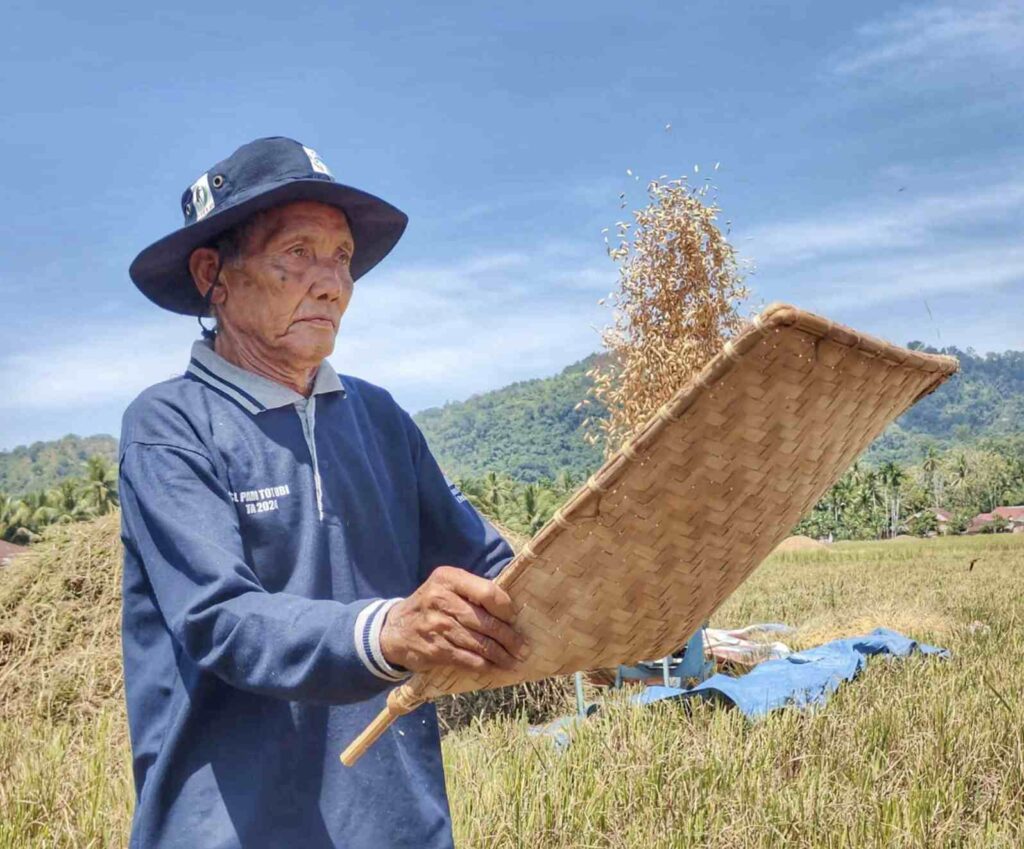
(357,748)
(399,703)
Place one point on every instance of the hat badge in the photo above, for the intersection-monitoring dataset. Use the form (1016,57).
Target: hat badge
(316,163)
(202,197)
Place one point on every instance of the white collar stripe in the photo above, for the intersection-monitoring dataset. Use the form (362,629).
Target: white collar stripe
(194,364)
(254,392)
(223,388)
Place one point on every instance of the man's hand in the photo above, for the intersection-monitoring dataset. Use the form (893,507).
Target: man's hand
(455,619)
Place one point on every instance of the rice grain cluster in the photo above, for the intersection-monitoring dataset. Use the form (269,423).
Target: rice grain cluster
(677,304)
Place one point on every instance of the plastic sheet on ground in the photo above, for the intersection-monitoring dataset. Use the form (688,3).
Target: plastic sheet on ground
(802,679)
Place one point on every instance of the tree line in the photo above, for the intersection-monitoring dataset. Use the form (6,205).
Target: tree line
(867,502)
(892,498)
(73,499)
(521,506)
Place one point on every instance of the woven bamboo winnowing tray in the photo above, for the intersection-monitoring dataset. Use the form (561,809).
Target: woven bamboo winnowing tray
(670,525)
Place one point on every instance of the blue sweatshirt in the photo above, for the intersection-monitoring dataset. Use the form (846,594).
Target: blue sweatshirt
(265,535)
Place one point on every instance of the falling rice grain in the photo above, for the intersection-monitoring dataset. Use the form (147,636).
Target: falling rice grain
(677,304)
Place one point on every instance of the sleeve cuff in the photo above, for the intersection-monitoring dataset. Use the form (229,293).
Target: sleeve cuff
(367,639)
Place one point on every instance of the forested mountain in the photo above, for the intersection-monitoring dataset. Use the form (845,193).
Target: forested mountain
(41,465)
(530,430)
(985,399)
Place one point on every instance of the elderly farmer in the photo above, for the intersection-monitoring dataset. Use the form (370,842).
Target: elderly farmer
(292,549)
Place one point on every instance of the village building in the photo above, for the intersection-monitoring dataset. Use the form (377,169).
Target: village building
(1013,516)
(943,517)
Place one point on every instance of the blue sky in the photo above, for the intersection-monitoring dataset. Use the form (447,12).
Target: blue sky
(871,167)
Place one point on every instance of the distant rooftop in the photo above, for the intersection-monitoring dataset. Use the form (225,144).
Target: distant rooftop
(1011,513)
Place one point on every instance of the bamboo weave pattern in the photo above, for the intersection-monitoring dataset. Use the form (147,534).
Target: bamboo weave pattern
(672,524)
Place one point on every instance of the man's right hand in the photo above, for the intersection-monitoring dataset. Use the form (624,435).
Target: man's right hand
(456,619)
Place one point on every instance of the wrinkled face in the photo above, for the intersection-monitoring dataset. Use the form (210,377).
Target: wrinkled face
(291,284)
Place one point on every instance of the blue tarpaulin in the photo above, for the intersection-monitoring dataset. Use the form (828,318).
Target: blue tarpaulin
(803,679)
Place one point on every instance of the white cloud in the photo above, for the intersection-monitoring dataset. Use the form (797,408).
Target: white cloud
(926,39)
(978,272)
(433,333)
(106,363)
(905,266)
(930,222)
(428,332)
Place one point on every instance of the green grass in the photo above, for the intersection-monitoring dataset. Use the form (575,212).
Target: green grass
(915,753)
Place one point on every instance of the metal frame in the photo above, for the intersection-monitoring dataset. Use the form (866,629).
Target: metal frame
(690,665)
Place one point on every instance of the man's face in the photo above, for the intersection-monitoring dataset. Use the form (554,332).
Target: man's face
(291,285)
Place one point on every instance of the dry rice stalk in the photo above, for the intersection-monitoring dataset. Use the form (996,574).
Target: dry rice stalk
(60,625)
(677,304)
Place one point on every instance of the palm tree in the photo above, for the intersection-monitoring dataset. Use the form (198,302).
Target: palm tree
(536,506)
(32,513)
(70,502)
(8,509)
(841,496)
(866,482)
(892,477)
(932,476)
(961,471)
(565,482)
(471,490)
(100,485)
(494,491)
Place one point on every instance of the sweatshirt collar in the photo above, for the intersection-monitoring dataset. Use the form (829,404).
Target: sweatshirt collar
(249,390)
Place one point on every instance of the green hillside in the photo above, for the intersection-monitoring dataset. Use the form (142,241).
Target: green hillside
(530,430)
(985,399)
(41,465)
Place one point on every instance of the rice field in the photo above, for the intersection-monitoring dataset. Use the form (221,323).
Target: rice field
(915,753)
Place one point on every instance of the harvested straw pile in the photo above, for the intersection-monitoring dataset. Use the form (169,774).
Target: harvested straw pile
(60,624)
(60,638)
(799,542)
(675,308)
(907,618)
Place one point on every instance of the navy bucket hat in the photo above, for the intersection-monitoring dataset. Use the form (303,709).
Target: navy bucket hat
(259,175)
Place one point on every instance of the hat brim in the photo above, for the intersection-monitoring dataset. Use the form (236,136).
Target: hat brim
(161,271)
